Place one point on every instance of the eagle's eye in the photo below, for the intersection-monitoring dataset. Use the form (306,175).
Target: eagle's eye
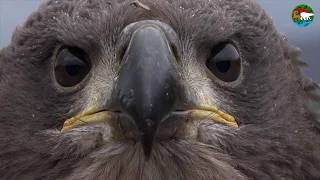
(71,66)
(225,62)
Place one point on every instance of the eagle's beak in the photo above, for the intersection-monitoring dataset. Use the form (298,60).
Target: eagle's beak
(149,87)
(148,84)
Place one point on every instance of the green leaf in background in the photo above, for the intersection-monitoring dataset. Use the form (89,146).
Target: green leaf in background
(315,105)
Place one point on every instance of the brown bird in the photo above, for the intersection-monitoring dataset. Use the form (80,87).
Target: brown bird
(155,89)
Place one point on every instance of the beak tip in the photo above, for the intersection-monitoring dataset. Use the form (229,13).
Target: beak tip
(147,154)
(147,145)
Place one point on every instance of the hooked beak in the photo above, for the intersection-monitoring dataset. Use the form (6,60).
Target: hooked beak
(148,84)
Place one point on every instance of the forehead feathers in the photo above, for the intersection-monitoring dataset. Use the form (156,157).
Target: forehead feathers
(100,22)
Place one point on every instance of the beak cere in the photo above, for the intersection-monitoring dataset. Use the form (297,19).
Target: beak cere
(148,83)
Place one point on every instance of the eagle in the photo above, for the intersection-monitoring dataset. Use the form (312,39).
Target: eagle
(155,89)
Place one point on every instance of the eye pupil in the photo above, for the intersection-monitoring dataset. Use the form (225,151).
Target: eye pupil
(71,66)
(223,66)
(73,70)
(224,62)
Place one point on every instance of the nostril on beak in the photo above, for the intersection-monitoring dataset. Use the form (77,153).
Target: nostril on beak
(175,51)
(121,53)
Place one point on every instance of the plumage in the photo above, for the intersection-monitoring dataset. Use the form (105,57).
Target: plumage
(277,134)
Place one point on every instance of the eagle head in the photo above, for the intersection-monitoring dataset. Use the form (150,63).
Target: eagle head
(122,89)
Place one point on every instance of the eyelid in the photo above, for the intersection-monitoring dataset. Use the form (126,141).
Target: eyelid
(68,59)
(228,52)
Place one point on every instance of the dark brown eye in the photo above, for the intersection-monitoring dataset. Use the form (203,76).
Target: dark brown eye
(225,62)
(71,66)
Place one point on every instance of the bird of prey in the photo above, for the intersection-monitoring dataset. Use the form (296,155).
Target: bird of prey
(155,89)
